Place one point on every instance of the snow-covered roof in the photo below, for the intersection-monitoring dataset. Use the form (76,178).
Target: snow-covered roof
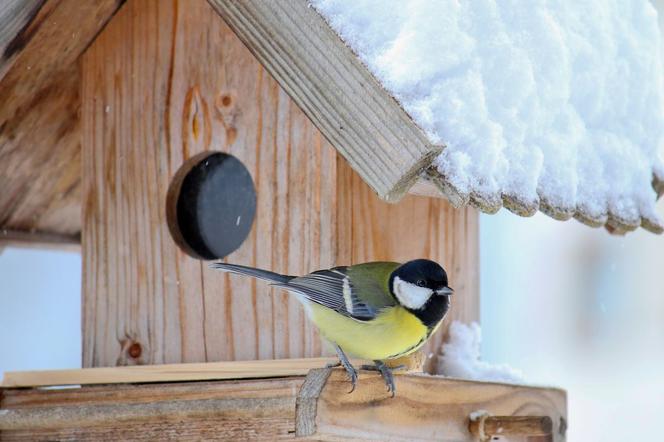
(556,106)
(550,106)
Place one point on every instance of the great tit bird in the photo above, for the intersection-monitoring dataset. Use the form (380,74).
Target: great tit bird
(376,310)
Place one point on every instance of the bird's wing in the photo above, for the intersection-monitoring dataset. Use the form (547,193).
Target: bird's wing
(351,293)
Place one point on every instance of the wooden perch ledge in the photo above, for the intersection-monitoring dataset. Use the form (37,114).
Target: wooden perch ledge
(316,406)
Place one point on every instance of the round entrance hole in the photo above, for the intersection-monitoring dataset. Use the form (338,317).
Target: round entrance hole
(211,205)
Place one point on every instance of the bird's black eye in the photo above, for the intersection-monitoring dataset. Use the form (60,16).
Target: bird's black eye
(421,283)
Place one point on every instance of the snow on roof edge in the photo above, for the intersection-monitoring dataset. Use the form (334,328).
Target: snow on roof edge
(492,204)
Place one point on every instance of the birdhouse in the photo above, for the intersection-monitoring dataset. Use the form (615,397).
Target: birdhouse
(158,136)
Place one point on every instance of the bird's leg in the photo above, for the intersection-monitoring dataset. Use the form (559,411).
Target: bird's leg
(386,373)
(345,363)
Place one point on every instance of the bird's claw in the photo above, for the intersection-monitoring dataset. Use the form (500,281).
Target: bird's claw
(386,374)
(345,363)
(352,377)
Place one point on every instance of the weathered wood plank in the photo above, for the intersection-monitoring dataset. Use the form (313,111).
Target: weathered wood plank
(335,90)
(417,227)
(40,159)
(20,238)
(317,407)
(39,105)
(426,407)
(247,410)
(166,372)
(163,82)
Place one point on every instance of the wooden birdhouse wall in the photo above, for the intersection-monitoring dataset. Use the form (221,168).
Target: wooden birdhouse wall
(165,81)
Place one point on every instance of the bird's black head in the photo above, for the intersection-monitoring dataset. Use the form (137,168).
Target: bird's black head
(421,286)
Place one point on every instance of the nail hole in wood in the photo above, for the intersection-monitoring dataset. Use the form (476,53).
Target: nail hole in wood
(211,205)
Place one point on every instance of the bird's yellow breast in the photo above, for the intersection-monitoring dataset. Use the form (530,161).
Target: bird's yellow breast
(393,333)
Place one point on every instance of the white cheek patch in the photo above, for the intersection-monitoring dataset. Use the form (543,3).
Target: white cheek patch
(410,295)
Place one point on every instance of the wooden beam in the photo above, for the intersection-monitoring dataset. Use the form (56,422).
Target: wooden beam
(336,91)
(166,372)
(182,372)
(425,408)
(39,105)
(247,410)
(37,239)
(317,407)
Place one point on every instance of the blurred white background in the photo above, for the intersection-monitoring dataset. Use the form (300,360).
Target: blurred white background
(575,307)
(40,309)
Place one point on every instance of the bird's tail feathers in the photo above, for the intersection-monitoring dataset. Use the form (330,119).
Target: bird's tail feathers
(265,275)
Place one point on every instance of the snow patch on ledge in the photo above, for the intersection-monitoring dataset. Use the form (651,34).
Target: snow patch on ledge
(557,105)
(460,357)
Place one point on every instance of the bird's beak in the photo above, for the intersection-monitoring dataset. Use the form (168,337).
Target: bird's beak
(445,291)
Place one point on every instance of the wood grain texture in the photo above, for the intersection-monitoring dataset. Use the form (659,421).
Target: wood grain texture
(20,238)
(167,372)
(487,427)
(426,407)
(163,82)
(317,407)
(39,105)
(336,91)
(247,410)
(416,227)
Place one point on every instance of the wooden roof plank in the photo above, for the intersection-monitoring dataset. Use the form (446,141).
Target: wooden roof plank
(336,91)
(40,42)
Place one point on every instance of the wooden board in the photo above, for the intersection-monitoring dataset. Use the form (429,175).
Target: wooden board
(426,408)
(336,91)
(163,82)
(317,407)
(39,106)
(234,411)
(416,227)
(40,240)
(166,372)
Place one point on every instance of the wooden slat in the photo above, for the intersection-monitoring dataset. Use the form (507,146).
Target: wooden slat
(163,82)
(416,227)
(166,372)
(317,407)
(19,238)
(337,92)
(39,105)
(247,410)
